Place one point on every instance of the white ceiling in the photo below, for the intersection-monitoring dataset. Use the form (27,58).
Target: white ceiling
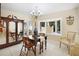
(44,8)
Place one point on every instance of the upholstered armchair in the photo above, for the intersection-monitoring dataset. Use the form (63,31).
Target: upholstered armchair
(68,40)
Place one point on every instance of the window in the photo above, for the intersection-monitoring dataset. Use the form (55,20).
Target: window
(42,24)
(58,26)
(52,24)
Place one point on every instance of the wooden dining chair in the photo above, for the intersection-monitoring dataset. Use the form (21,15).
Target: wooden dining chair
(68,40)
(43,41)
(40,39)
(29,44)
(45,37)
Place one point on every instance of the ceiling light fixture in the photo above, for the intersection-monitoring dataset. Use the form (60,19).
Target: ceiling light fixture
(35,12)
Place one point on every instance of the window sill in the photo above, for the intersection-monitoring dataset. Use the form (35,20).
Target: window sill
(54,34)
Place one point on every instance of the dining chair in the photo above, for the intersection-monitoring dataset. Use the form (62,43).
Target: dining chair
(42,40)
(29,44)
(68,40)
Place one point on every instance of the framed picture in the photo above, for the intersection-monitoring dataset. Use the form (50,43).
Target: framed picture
(70,20)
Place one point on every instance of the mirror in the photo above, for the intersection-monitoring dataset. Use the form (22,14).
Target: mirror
(12,31)
(2,32)
(25,28)
(20,31)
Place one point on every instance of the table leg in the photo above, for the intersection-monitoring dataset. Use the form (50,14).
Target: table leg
(45,43)
(42,47)
(68,49)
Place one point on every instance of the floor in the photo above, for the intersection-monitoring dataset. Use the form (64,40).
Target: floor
(52,50)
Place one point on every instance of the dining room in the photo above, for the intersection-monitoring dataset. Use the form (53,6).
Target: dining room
(39,29)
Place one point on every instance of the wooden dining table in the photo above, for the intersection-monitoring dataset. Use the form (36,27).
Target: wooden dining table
(42,39)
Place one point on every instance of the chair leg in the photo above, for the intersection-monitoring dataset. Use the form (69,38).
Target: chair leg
(21,50)
(60,45)
(67,46)
(27,52)
(34,51)
(45,43)
(68,49)
(25,48)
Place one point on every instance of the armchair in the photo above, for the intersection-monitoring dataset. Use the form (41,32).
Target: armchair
(68,40)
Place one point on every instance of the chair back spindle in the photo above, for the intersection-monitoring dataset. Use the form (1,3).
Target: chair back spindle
(71,36)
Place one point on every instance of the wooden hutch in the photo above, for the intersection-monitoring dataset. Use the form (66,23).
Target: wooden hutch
(7,20)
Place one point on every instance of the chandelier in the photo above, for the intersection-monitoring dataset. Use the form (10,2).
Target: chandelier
(35,12)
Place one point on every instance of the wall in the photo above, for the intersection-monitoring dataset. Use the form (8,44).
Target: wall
(63,15)
(77,12)
(21,16)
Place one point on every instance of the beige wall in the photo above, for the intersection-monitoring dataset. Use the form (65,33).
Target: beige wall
(63,15)
(21,16)
(77,37)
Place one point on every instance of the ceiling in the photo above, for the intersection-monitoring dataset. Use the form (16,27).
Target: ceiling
(45,8)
